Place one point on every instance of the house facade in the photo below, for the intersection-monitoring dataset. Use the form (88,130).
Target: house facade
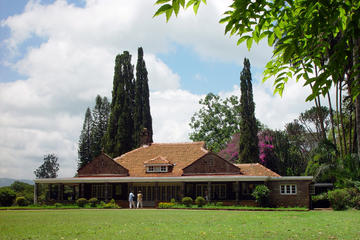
(165,171)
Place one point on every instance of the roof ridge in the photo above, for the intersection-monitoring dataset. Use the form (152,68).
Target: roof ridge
(181,143)
(178,143)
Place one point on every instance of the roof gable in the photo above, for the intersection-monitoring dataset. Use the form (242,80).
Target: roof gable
(211,163)
(103,165)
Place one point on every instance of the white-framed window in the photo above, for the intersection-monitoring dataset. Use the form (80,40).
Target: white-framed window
(157,169)
(288,189)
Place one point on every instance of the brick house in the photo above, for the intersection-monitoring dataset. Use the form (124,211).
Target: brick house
(163,171)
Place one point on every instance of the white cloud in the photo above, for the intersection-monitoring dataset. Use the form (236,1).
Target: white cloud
(171,111)
(75,62)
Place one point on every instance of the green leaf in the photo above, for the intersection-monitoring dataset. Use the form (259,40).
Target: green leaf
(278,33)
(168,14)
(249,43)
(271,39)
(176,6)
(224,20)
(242,39)
(161,1)
(191,2)
(163,9)
(182,2)
(196,6)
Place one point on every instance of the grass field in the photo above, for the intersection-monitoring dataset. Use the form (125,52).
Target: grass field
(177,224)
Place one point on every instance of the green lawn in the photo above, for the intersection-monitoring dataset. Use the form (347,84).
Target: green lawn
(177,224)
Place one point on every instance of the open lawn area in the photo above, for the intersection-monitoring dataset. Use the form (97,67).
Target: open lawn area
(177,224)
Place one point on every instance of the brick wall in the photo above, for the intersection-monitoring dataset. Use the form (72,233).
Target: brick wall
(102,165)
(300,199)
(211,163)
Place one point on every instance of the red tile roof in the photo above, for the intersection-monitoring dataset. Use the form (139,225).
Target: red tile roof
(179,154)
(255,169)
(157,161)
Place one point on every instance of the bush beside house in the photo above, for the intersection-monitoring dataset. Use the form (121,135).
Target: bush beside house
(261,195)
(341,199)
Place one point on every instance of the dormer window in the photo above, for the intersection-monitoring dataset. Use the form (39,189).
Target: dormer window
(157,169)
(158,164)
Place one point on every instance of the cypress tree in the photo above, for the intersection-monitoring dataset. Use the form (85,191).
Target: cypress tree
(84,151)
(100,115)
(248,144)
(142,115)
(119,136)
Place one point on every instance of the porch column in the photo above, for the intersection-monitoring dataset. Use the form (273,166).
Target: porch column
(106,192)
(182,191)
(36,185)
(49,195)
(60,195)
(209,191)
(237,191)
(73,193)
(156,192)
(81,190)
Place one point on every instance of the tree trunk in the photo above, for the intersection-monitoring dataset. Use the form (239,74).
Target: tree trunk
(337,118)
(357,108)
(332,119)
(356,41)
(342,120)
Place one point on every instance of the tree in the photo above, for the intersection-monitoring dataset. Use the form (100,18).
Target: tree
(142,115)
(314,40)
(85,142)
(216,121)
(7,196)
(119,135)
(99,125)
(49,168)
(248,144)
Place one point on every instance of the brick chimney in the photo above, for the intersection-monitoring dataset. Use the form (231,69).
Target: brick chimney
(145,138)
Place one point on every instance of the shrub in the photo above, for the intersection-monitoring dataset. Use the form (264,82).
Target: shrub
(261,194)
(200,201)
(219,204)
(93,202)
(354,197)
(111,204)
(7,196)
(355,202)
(21,201)
(173,200)
(58,205)
(81,202)
(165,205)
(187,201)
(320,201)
(339,199)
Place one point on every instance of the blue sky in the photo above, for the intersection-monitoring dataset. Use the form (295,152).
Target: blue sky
(56,56)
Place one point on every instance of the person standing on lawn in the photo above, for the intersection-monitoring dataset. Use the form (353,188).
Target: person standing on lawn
(139,200)
(131,200)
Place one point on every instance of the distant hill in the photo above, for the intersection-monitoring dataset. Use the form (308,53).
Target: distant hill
(8,181)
